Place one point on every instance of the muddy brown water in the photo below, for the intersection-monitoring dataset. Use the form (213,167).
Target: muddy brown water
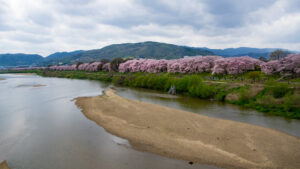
(41,128)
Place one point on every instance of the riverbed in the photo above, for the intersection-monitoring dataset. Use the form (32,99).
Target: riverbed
(41,127)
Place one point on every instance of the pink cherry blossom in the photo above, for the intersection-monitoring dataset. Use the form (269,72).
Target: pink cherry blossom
(106,67)
(290,64)
(197,64)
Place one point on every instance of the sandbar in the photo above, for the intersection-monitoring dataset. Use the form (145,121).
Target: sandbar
(3,165)
(25,74)
(189,136)
(31,85)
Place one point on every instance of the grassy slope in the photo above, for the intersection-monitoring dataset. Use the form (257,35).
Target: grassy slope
(260,92)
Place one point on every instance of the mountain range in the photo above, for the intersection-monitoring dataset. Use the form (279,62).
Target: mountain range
(154,50)
(20,59)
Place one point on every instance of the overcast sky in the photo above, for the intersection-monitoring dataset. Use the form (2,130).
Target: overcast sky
(47,26)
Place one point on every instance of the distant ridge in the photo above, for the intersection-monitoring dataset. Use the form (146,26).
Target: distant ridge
(149,49)
(154,50)
(20,59)
(55,57)
(242,51)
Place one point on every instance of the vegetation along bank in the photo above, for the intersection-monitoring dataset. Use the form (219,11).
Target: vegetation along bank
(253,89)
(271,87)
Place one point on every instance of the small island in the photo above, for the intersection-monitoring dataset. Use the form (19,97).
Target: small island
(192,137)
(4,165)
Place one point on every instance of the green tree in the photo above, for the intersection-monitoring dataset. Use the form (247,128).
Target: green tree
(278,54)
(114,64)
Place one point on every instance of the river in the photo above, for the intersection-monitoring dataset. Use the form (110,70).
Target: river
(41,127)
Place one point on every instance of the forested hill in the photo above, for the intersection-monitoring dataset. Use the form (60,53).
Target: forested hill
(148,50)
(58,56)
(20,59)
(243,51)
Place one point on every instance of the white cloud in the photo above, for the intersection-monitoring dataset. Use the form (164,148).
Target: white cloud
(40,26)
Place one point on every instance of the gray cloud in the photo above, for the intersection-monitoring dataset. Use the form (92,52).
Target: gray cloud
(3,11)
(40,26)
(233,13)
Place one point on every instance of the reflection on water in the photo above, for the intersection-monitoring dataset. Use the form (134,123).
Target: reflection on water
(41,128)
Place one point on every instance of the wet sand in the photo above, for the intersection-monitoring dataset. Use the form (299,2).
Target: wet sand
(30,85)
(2,79)
(25,74)
(3,165)
(191,137)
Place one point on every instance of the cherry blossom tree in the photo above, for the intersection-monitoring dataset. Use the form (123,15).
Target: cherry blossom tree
(198,64)
(289,64)
(106,67)
(235,65)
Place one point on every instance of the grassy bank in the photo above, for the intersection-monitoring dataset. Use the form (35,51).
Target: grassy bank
(252,90)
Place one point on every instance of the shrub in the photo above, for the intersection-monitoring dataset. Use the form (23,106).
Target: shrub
(186,82)
(118,80)
(292,102)
(254,76)
(221,95)
(278,90)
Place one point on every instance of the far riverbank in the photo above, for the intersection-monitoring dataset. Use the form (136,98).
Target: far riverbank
(265,95)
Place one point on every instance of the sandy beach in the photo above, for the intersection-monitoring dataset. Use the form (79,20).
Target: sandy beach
(3,165)
(192,137)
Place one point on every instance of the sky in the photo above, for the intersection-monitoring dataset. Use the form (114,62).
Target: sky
(48,26)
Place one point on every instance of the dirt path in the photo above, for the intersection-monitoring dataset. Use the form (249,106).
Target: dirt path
(192,137)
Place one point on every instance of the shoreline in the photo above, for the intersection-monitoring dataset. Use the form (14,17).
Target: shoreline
(25,74)
(257,96)
(191,137)
(2,79)
(31,85)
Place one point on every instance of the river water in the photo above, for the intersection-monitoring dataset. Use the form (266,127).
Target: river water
(41,127)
